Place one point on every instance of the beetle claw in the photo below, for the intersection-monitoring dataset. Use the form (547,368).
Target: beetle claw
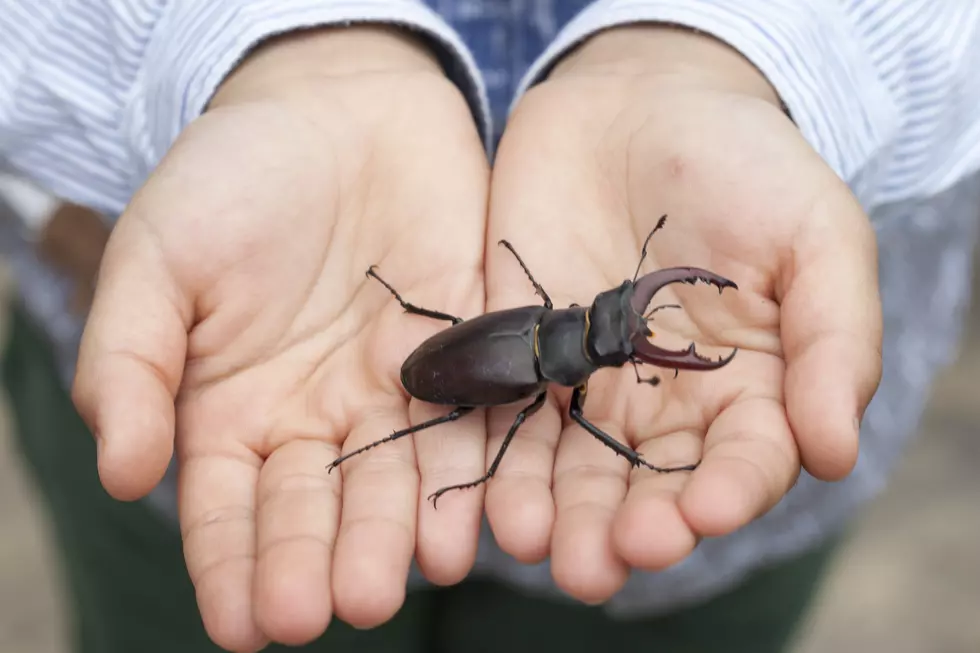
(682,359)
(650,284)
(688,359)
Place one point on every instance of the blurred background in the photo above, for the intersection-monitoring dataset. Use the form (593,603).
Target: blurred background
(907,582)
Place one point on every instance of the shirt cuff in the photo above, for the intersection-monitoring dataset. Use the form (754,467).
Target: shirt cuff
(197,44)
(808,51)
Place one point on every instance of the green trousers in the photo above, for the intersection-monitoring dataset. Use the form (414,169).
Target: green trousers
(129,592)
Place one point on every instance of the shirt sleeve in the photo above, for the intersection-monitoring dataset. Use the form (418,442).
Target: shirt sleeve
(94,92)
(886,92)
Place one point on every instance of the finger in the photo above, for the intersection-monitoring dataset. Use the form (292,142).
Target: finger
(650,531)
(832,333)
(130,363)
(217,516)
(553,214)
(377,533)
(533,212)
(750,462)
(519,505)
(298,515)
(590,484)
(449,528)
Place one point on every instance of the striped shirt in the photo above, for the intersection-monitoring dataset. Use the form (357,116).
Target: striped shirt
(94,92)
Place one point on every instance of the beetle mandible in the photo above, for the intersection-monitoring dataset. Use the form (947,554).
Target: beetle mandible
(508,355)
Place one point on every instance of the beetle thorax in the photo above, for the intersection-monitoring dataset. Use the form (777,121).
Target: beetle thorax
(559,342)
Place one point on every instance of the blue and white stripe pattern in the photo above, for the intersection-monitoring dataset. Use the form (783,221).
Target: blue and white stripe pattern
(93,92)
(887,88)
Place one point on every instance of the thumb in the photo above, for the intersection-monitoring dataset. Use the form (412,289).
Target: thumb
(131,360)
(831,325)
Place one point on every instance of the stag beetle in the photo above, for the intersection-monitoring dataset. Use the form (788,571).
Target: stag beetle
(504,356)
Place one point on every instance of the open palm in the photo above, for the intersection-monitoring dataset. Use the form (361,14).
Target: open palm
(578,184)
(243,323)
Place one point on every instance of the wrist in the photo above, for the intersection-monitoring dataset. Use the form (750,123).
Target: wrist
(669,55)
(311,57)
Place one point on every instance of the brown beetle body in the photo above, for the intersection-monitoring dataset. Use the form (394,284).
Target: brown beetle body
(505,356)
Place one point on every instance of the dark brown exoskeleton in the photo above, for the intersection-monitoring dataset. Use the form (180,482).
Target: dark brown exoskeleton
(504,356)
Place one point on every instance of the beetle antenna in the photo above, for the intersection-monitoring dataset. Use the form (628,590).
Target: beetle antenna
(643,252)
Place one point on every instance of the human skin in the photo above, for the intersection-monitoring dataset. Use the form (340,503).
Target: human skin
(636,123)
(244,253)
(232,321)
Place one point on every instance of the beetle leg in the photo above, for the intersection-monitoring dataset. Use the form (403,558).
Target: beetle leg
(451,417)
(643,252)
(635,459)
(521,417)
(412,308)
(537,286)
(653,380)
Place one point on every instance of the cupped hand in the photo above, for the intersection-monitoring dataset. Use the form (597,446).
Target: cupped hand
(234,323)
(637,124)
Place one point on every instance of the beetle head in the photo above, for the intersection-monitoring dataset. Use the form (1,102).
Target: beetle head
(643,291)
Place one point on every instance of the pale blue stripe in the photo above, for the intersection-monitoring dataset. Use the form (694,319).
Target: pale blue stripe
(920,51)
(93,92)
